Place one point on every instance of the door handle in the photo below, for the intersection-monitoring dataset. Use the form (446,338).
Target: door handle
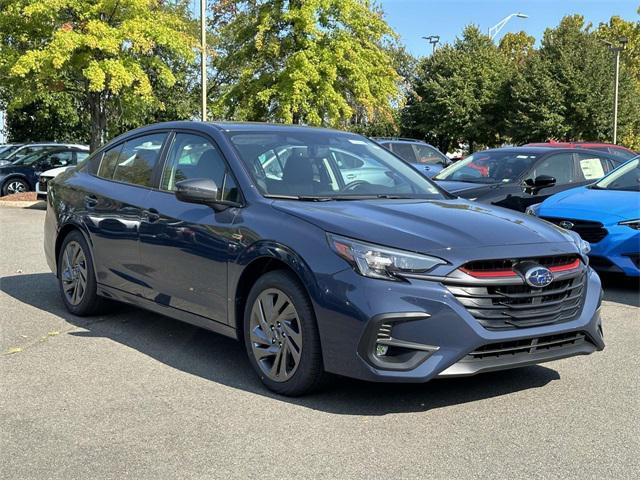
(90,201)
(351,176)
(151,216)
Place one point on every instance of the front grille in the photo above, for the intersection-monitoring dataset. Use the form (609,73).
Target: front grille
(508,264)
(528,345)
(592,232)
(501,307)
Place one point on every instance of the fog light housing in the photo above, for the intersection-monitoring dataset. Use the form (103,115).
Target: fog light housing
(381,350)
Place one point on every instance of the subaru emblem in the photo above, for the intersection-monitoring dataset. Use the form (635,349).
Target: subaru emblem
(538,277)
(566,224)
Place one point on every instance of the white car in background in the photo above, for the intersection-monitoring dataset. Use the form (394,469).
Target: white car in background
(15,152)
(48,175)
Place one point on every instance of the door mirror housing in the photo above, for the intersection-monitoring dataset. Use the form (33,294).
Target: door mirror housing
(203,191)
(541,181)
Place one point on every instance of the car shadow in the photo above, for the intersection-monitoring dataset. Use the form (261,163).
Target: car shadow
(621,289)
(223,360)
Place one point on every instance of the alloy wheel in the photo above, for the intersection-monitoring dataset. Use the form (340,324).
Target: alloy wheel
(74,273)
(16,186)
(276,335)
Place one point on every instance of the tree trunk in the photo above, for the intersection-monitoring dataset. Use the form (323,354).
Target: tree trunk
(98,120)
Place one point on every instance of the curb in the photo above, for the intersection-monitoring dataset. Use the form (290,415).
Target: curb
(22,203)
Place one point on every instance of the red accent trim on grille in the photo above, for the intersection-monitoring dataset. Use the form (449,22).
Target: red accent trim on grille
(569,266)
(510,273)
(493,274)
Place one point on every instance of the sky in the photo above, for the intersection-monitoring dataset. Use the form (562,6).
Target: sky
(413,19)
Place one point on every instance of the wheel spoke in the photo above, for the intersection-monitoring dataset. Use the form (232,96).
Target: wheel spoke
(262,353)
(259,336)
(282,369)
(275,368)
(293,350)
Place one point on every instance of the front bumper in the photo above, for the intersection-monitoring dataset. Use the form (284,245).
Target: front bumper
(426,313)
(618,252)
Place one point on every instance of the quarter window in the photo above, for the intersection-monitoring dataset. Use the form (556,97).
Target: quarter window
(133,161)
(191,157)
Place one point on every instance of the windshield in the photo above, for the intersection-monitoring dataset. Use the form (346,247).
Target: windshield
(625,177)
(491,166)
(7,150)
(31,158)
(327,165)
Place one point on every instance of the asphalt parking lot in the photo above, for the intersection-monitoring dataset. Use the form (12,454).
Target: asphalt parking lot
(136,395)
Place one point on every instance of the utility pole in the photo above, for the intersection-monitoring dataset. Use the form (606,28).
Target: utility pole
(203,56)
(433,40)
(616,49)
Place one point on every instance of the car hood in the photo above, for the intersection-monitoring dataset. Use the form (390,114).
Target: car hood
(589,203)
(55,171)
(426,225)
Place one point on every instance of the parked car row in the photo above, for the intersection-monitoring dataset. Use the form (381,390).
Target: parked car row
(323,251)
(22,165)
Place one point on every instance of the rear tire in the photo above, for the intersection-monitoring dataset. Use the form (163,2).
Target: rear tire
(281,335)
(76,276)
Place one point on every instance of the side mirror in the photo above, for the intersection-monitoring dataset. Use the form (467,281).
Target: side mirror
(203,191)
(537,184)
(197,190)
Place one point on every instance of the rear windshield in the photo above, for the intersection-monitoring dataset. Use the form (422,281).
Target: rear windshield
(492,166)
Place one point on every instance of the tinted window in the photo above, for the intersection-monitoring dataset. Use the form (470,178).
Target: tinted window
(559,166)
(621,154)
(133,162)
(490,166)
(81,156)
(404,151)
(193,156)
(626,177)
(427,154)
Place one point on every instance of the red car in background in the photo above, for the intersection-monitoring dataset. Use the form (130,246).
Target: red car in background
(615,150)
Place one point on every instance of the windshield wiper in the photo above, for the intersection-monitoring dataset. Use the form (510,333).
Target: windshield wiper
(301,198)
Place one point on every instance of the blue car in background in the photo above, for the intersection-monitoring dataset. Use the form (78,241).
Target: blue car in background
(606,214)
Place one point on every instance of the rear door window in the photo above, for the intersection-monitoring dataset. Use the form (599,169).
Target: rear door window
(591,167)
(404,151)
(428,155)
(135,160)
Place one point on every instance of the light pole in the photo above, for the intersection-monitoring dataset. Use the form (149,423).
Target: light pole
(495,30)
(433,40)
(203,56)
(622,43)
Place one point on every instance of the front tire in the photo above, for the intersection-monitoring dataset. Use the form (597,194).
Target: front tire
(281,335)
(76,276)
(15,185)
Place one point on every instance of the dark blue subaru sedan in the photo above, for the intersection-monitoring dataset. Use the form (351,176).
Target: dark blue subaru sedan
(321,251)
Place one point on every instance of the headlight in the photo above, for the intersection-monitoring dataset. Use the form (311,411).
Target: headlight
(584,247)
(635,224)
(380,262)
(533,209)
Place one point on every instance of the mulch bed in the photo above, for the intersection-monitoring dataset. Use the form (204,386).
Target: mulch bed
(20,197)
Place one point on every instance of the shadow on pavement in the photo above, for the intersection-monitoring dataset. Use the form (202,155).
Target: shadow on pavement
(223,360)
(621,289)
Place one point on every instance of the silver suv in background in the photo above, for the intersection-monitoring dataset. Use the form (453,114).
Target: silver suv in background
(426,158)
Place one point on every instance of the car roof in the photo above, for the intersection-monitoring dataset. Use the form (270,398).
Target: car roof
(542,150)
(579,144)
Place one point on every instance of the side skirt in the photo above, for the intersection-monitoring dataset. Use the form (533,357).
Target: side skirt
(202,322)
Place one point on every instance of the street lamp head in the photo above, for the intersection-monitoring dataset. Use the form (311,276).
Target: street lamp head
(623,41)
(521,15)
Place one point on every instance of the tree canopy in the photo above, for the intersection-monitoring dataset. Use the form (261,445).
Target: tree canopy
(102,58)
(318,62)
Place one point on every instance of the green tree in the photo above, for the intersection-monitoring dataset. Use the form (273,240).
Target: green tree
(106,57)
(318,62)
(457,93)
